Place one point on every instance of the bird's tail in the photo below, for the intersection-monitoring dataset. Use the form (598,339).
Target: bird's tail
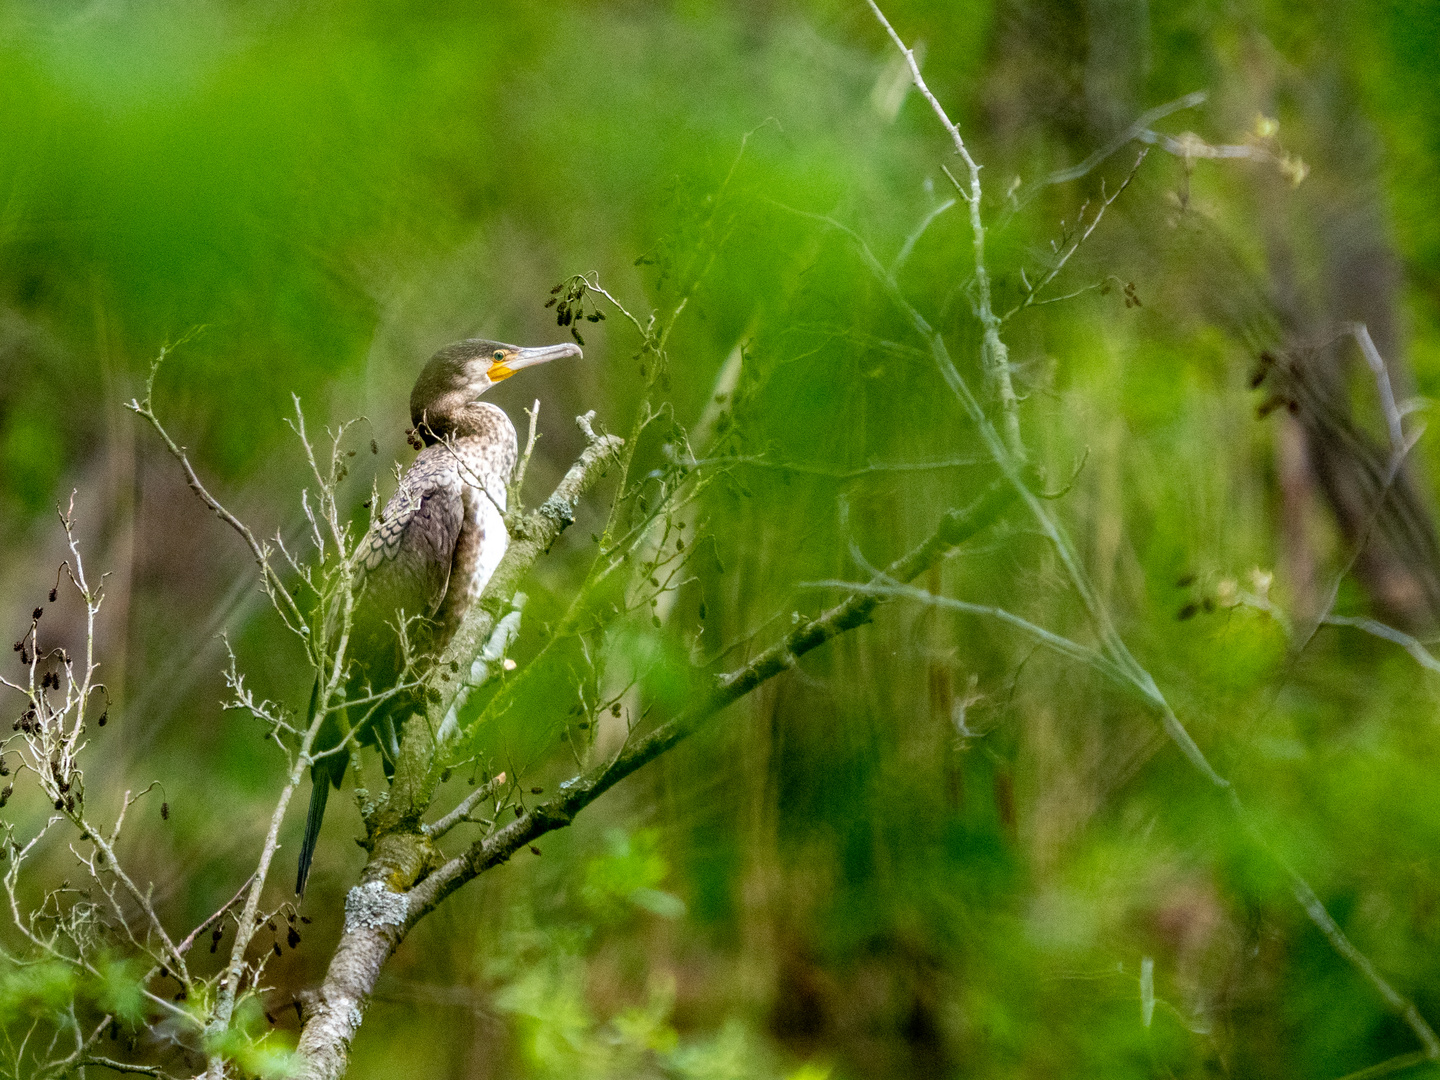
(322,775)
(319,793)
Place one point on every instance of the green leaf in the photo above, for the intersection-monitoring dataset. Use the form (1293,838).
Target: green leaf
(37,990)
(119,989)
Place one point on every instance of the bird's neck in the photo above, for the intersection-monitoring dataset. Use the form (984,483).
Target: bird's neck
(443,420)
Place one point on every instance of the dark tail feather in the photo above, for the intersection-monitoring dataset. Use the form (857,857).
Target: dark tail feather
(319,793)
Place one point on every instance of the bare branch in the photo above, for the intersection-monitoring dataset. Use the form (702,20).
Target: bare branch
(994,355)
(282,599)
(461,813)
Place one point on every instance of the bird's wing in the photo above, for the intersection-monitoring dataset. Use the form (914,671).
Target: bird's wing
(405,558)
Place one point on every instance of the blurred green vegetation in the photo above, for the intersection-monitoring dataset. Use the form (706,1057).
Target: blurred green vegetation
(933,850)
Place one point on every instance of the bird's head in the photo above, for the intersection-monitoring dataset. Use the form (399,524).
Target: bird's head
(455,377)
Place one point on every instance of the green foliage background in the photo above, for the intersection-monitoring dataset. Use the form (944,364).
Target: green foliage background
(933,850)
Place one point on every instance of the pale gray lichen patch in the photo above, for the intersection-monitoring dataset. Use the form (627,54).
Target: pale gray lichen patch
(372,906)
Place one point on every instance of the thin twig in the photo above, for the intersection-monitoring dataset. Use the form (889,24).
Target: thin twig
(993,352)
(437,829)
(1105,204)
(278,593)
(184,946)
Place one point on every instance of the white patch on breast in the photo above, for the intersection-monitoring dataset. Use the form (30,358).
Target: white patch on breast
(487,518)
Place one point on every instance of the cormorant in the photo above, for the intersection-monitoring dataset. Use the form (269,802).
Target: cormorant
(430,552)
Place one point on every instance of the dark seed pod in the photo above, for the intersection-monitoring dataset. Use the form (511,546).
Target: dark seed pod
(164,811)
(305,919)
(217,933)
(5,793)
(270,1019)
(534,849)
(292,938)
(38,612)
(557,288)
(19,645)
(584,725)
(52,596)
(270,925)
(445,776)
(276,946)
(537,791)
(1187,612)
(519,810)
(104,718)
(615,709)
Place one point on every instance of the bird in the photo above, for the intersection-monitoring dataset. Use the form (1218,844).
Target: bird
(427,555)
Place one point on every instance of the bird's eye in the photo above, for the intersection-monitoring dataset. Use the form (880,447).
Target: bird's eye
(499,356)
